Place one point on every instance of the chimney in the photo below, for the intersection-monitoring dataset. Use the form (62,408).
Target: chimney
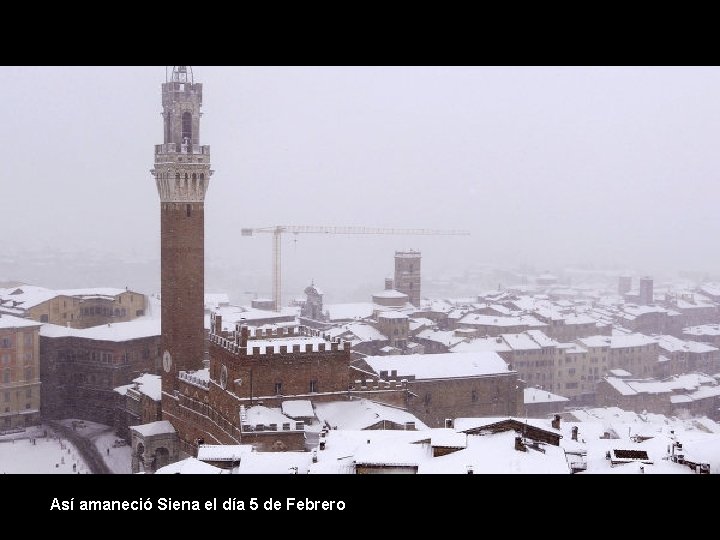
(449,423)
(388,283)
(519,445)
(574,433)
(218,324)
(556,422)
(243,336)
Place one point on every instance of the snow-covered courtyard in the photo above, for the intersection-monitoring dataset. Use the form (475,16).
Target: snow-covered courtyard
(30,452)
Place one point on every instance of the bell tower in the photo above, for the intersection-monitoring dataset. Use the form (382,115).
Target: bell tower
(182,174)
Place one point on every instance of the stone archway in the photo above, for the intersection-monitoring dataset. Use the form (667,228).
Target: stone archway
(162,458)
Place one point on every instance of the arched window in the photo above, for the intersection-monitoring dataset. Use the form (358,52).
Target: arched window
(187,127)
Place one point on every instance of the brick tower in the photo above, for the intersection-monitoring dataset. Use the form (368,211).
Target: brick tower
(407,275)
(182,174)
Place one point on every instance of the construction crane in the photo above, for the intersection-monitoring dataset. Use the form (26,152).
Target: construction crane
(278,230)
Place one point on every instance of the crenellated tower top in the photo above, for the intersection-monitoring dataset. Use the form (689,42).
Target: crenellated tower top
(182,166)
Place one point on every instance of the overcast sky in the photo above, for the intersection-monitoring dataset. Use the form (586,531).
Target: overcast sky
(546,166)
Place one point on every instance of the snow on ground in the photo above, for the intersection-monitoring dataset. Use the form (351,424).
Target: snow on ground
(51,455)
(118,458)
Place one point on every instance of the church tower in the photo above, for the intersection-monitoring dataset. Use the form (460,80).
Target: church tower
(182,174)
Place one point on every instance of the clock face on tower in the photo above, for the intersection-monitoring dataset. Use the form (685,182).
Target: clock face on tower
(167,361)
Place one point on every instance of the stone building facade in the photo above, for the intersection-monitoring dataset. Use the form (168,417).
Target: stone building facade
(82,367)
(19,372)
(77,308)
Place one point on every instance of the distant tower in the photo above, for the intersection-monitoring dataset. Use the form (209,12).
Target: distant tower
(182,174)
(624,285)
(313,308)
(407,275)
(646,291)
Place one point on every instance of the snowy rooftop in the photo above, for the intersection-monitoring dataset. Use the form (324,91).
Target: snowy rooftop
(694,385)
(360,414)
(391,315)
(8,321)
(490,320)
(617,341)
(222,452)
(31,295)
(535,395)
(673,344)
(439,366)
(496,344)
(148,384)
(363,331)
(390,293)
(123,331)
(446,337)
(359,310)
(154,428)
(247,315)
(703,330)
(189,465)
(541,338)
(298,408)
(264,415)
(520,342)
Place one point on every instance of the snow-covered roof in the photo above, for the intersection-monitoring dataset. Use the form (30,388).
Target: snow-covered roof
(440,366)
(535,395)
(617,341)
(189,465)
(358,310)
(154,428)
(8,321)
(31,295)
(122,331)
(674,344)
(496,344)
(390,293)
(445,337)
(223,452)
(231,315)
(492,320)
(520,342)
(148,384)
(360,414)
(541,338)
(363,331)
(703,330)
(391,315)
(297,408)
(264,415)
(694,385)
(620,373)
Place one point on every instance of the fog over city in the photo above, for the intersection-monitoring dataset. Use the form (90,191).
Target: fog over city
(548,168)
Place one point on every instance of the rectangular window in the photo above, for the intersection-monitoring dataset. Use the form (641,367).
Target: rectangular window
(7,397)
(313,386)
(5,343)
(278,388)
(28,393)
(28,356)
(28,373)
(188,210)
(28,340)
